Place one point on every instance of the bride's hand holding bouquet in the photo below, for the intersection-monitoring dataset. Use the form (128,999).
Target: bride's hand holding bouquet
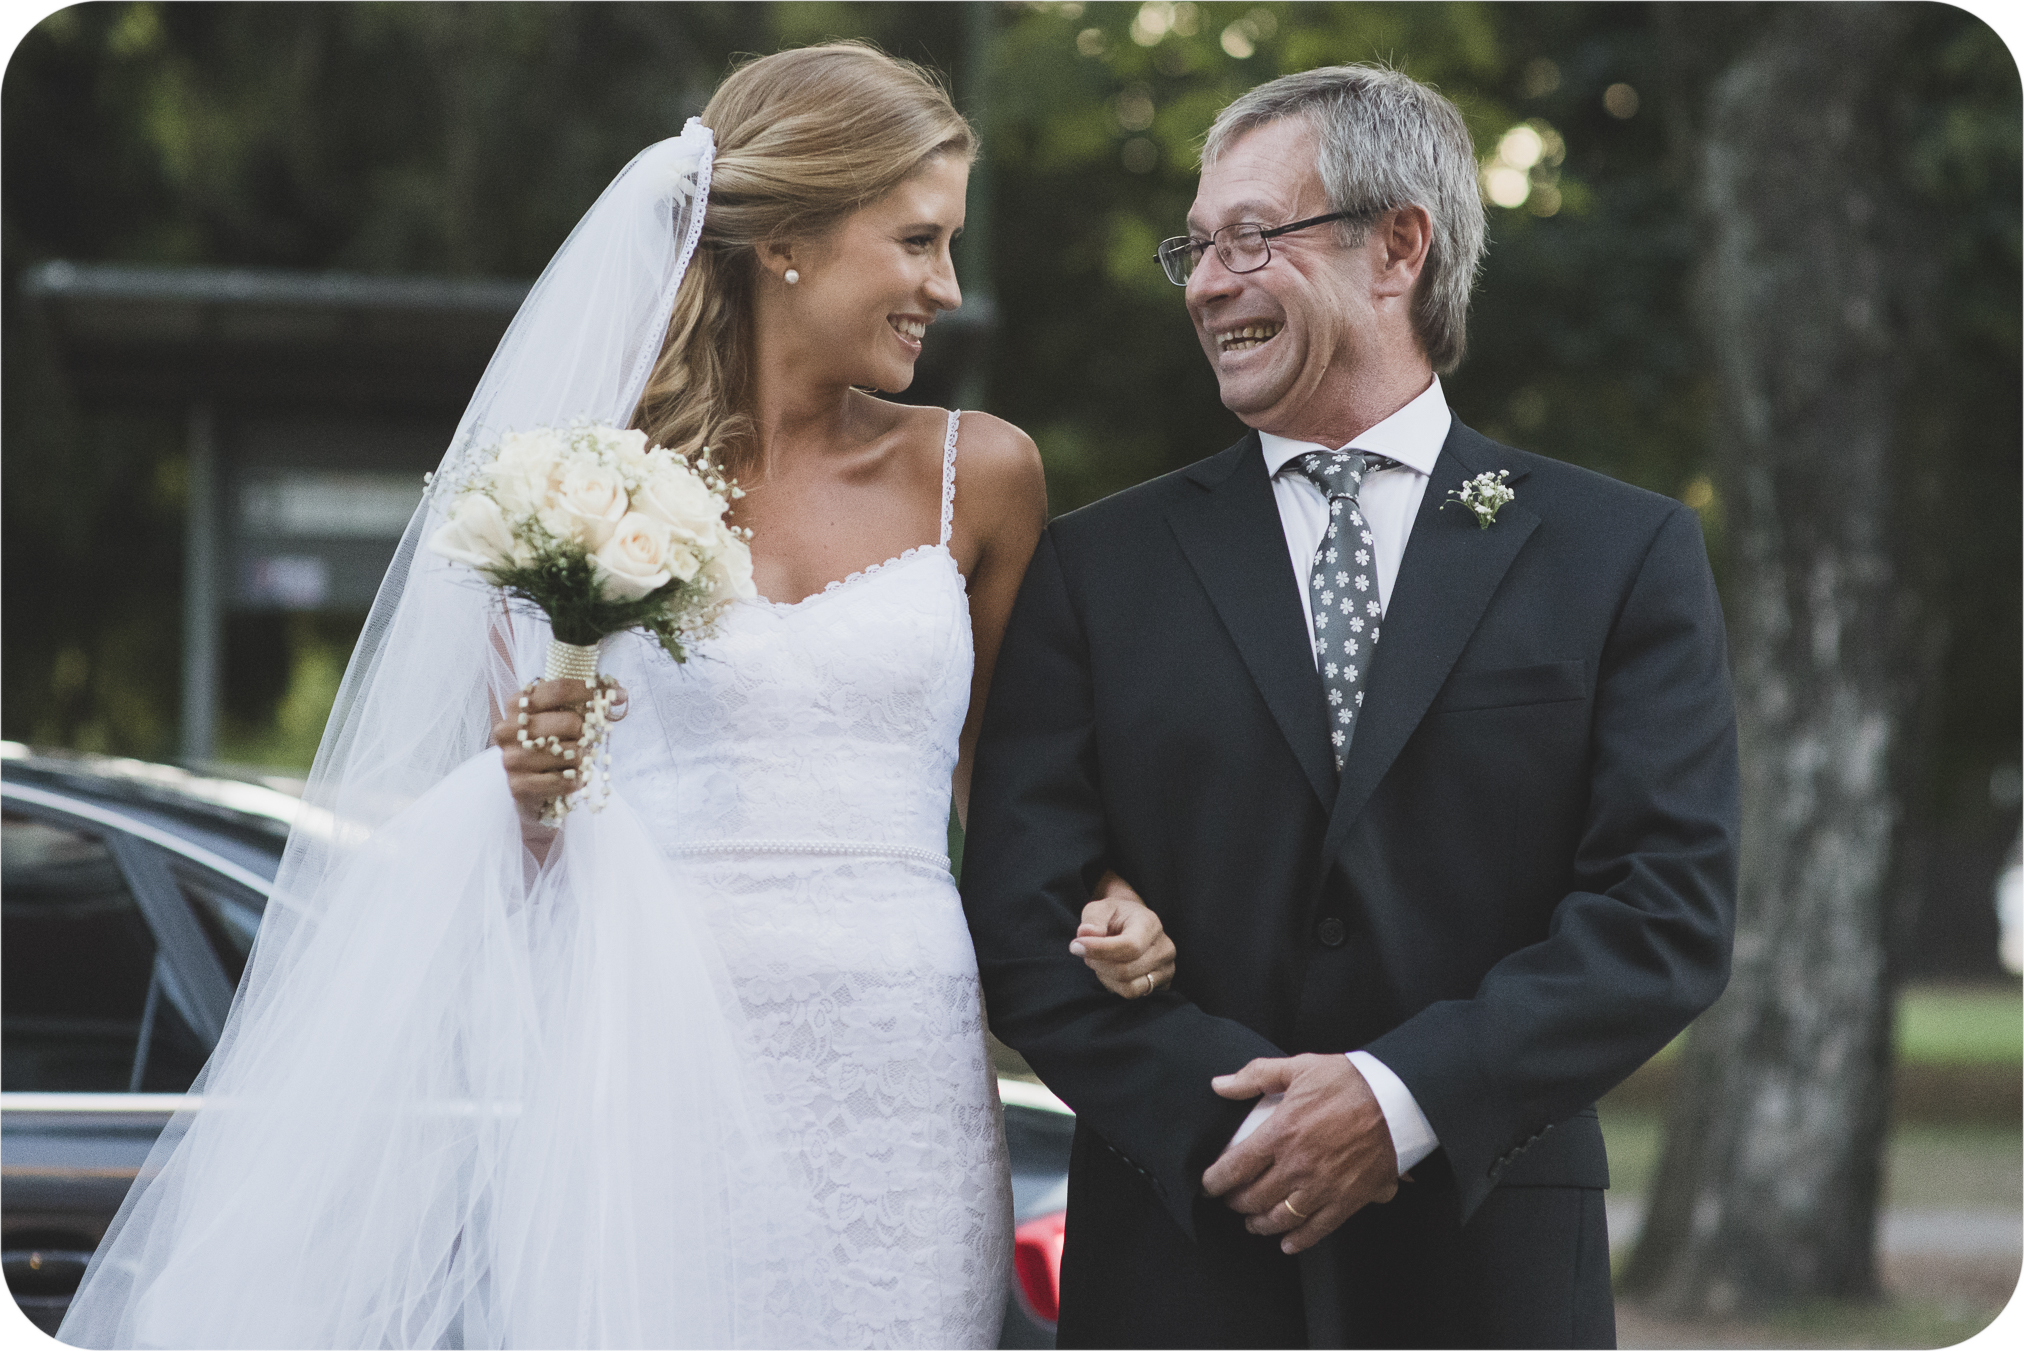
(603,533)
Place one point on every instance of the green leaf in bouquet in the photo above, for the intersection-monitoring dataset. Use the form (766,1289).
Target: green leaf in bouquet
(563,581)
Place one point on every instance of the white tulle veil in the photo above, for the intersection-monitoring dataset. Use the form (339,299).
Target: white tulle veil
(451,1106)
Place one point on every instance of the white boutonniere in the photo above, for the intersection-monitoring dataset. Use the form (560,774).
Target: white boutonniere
(1486,495)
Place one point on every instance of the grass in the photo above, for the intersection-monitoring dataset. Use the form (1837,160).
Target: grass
(1960,1058)
(1961,1025)
(1633,1140)
(1979,1023)
(1966,1166)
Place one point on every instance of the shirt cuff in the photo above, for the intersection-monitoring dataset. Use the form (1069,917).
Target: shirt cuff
(1412,1135)
(1255,1118)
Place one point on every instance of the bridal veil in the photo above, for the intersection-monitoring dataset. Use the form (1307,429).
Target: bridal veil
(465,1099)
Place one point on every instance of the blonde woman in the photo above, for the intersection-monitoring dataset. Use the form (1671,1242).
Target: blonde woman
(707,1067)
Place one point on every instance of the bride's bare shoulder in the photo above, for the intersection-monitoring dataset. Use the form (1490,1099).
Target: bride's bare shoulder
(1001,499)
(997,460)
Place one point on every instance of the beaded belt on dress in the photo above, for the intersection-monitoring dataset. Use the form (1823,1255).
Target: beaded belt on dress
(848,847)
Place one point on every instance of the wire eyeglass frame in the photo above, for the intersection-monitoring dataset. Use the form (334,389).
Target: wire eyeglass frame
(1180,255)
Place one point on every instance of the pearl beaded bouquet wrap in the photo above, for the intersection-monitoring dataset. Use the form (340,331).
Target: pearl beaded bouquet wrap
(603,533)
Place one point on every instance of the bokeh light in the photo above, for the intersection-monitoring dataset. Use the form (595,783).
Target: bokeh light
(1156,18)
(1505,185)
(1521,147)
(1524,170)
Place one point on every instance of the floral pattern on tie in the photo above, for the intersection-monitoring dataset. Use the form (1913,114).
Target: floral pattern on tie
(1342,587)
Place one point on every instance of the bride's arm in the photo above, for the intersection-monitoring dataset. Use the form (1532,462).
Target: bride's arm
(1001,508)
(550,709)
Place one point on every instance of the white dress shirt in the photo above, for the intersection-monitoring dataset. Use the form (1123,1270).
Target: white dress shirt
(1389,501)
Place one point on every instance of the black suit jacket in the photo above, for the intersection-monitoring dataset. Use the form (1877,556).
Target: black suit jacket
(1520,889)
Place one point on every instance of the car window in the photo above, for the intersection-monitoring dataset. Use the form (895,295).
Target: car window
(79,980)
(228,912)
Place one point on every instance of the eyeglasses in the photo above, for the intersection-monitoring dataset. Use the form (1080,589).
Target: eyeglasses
(1242,247)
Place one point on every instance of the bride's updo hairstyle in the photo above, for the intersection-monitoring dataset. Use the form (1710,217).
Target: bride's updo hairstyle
(804,138)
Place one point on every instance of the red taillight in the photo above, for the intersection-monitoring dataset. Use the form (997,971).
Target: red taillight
(1036,1255)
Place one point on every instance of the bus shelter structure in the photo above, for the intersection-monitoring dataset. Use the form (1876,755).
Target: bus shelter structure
(312,404)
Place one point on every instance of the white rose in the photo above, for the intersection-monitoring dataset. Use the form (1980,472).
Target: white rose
(477,535)
(680,500)
(559,526)
(729,570)
(540,445)
(684,560)
(527,470)
(629,450)
(592,499)
(634,560)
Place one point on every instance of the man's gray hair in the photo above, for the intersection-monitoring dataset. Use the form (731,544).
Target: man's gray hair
(1386,141)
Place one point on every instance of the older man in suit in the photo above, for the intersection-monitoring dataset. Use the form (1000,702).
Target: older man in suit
(1421,746)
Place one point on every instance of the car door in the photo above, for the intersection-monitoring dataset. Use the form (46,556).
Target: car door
(117,949)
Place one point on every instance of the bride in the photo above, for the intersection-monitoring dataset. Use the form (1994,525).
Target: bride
(706,1067)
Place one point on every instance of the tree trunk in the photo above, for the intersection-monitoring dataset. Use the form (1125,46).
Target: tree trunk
(1768,1182)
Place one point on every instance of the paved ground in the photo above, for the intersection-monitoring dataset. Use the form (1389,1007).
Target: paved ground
(1923,1232)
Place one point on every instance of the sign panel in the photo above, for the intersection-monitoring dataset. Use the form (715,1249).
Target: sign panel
(314,504)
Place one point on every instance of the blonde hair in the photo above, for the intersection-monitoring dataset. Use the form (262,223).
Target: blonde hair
(804,138)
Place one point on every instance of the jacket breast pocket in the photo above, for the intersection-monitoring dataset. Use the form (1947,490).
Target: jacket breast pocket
(1544,684)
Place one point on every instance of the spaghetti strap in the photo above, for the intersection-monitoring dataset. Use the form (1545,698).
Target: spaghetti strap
(949,481)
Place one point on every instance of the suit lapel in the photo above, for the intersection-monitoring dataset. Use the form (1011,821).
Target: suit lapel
(1233,538)
(1450,570)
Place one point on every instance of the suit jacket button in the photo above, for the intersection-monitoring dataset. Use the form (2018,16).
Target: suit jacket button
(1331,932)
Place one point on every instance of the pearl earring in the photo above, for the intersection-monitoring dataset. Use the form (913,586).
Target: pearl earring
(792,276)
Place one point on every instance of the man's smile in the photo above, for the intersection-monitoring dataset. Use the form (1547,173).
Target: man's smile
(1247,337)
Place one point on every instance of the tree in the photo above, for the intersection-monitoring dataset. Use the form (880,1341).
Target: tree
(1809,289)
(465,139)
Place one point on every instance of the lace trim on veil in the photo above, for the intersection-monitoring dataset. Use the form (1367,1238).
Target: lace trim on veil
(692,234)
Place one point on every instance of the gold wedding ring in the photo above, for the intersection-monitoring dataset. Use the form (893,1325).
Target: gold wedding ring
(1288,1203)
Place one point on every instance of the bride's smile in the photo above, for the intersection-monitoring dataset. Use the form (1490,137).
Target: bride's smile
(865,292)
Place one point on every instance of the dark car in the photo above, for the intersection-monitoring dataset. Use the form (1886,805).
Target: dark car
(129,894)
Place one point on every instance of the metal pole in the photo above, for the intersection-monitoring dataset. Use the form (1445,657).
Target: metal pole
(979,26)
(200,587)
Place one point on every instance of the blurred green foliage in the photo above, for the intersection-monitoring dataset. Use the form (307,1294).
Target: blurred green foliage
(1961,1025)
(1979,1023)
(466,139)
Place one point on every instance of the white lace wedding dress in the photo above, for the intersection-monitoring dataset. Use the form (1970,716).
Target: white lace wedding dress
(712,1073)
(796,775)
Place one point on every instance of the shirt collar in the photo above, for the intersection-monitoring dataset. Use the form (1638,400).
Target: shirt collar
(1413,436)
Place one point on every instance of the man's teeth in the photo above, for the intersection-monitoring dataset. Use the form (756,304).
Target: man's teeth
(912,328)
(1244,339)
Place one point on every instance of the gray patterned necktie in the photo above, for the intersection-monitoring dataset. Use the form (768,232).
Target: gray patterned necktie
(1342,586)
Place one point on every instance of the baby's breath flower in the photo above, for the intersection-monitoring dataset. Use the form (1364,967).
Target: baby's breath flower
(1485,495)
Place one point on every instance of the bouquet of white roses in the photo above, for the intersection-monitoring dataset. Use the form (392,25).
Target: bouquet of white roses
(604,533)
